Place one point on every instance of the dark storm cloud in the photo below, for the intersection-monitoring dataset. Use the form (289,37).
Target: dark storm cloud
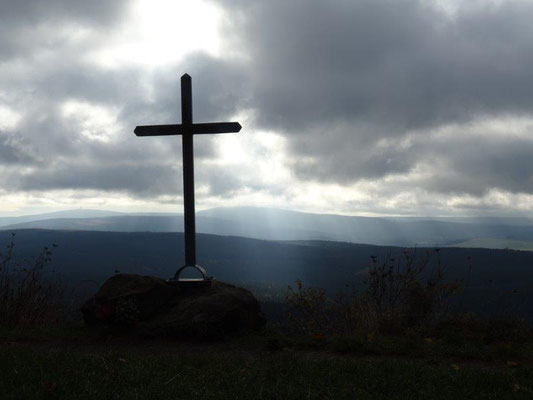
(338,77)
(474,165)
(141,180)
(29,24)
(219,90)
(13,152)
(96,12)
(357,87)
(459,163)
(48,149)
(402,62)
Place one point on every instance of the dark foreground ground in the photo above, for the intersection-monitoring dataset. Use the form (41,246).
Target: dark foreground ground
(77,365)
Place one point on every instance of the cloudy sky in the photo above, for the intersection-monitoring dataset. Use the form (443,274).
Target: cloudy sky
(361,107)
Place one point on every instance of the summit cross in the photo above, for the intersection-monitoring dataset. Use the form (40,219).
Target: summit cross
(187,129)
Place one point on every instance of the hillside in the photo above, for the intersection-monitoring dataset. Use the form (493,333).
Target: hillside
(68,360)
(87,258)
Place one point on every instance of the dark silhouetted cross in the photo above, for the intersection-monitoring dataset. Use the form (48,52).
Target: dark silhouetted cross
(187,129)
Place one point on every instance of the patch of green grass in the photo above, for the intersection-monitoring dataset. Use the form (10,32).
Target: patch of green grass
(69,332)
(489,243)
(432,348)
(412,346)
(29,373)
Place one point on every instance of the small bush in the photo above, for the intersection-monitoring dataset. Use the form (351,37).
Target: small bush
(27,298)
(405,301)
(399,295)
(406,293)
(310,310)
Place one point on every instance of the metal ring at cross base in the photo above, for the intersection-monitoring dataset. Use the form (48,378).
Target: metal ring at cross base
(197,267)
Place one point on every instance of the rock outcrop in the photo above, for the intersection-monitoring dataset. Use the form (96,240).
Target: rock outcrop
(153,306)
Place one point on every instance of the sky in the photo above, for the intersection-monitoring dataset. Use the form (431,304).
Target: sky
(356,107)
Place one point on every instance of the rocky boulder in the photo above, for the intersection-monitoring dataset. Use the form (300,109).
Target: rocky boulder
(153,306)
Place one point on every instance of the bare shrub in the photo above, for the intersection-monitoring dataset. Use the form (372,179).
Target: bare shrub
(398,294)
(310,309)
(406,292)
(27,296)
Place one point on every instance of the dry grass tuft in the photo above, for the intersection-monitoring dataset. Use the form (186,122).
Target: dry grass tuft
(28,297)
(400,297)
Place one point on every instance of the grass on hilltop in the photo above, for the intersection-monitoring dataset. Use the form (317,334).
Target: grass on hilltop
(390,341)
(128,373)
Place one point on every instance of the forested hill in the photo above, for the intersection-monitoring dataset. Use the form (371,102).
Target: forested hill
(82,255)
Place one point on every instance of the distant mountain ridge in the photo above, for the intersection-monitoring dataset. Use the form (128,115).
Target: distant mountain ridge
(79,213)
(275,224)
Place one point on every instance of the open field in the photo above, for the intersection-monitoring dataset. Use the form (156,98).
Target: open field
(487,243)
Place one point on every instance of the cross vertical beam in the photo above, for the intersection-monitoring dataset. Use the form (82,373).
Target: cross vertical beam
(188,171)
(187,129)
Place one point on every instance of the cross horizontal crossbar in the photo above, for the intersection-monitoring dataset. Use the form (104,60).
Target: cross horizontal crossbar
(180,129)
